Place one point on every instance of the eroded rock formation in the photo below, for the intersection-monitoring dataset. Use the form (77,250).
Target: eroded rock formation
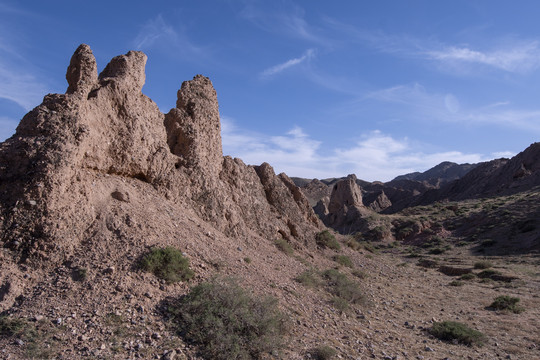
(85,166)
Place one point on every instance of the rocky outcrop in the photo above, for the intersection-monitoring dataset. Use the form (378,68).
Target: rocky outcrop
(345,208)
(194,128)
(79,157)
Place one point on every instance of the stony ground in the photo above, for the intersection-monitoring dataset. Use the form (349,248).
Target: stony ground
(118,310)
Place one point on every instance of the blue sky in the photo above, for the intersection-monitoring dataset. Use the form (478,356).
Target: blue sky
(315,88)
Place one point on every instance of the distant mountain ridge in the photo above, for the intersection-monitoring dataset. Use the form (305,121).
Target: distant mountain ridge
(446,171)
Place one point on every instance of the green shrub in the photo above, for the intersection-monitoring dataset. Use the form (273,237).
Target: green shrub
(453,331)
(427,263)
(508,303)
(456,283)
(343,260)
(354,244)
(324,352)
(437,251)
(308,278)
(341,286)
(468,276)
(326,239)
(488,274)
(340,304)
(369,247)
(359,274)
(247,260)
(454,271)
(284,246)
(484,264)
(227,322)
(168,264)
(11,326)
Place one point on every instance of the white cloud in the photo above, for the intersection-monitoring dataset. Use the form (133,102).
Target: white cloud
(157,32)
(288,64)
(520,57)
(20,86)
(416,103)
(375,156)
(290,22)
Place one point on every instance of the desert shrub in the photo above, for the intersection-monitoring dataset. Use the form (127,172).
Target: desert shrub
(427,263)
(247,260)
(341,286)
(508,303)
(469,276)
(369,247)
(453,331)
(437,251)
(323,352)
(284,246)
(168,264)
(39,337)
(454,271)
(339,304)
(379,233)
(326,239)
(404,232)
(308,278)
(10,326)
(354,243)
(343,260)
(359,274)
(227,322)
(462,243)
(484,264)
(488,274)
(456,283)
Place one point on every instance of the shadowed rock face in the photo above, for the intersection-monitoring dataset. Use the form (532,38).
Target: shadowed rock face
(57,171)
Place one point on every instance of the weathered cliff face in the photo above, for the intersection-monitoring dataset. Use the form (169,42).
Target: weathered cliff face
(88,165)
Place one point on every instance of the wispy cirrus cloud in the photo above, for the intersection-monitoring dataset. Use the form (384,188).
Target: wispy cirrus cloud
(289,21)
(374,156)
(276,69)
(510,54)
(157,32)
(414,102)
(521,57)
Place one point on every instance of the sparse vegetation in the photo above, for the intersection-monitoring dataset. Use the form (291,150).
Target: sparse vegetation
(326,239)
(456,283)
(484,264)
(428,263)
(457,332)
(507,303)
(10,326)
(343,260)
(469,276)
(284,246)
(323,352)
(80,274)
(227,322)
(168,264)
(454,271)
(369,247)
(39,337)
(308,278)
(341,286)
